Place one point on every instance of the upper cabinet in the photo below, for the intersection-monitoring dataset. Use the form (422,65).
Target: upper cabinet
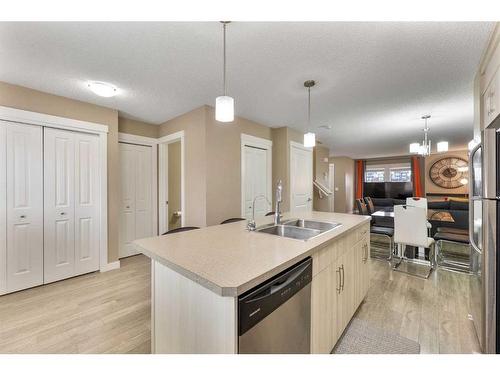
(490,80)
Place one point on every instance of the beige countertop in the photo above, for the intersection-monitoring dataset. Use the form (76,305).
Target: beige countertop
(229,260)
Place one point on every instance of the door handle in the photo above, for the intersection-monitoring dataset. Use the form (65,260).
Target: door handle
(309,199)
(339,281)
(343,277)
(22,217)
(63,213)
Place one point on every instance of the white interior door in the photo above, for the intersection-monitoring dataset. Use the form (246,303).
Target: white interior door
(301,178)
(87,202)
(136,220)
(24,265)
(256,180)
(59,204)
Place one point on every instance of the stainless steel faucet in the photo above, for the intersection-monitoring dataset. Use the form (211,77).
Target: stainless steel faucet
(251,223)
(278,200)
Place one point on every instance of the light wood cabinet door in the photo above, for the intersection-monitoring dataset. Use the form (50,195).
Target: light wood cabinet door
(347,296)
(324,332)
(491,100)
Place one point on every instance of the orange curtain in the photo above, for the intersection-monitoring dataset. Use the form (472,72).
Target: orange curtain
(416,177)
(360,174)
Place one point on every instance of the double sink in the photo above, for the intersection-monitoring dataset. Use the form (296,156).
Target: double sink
(299,229)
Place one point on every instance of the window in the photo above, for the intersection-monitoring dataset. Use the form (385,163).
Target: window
(375,175)
(400,174)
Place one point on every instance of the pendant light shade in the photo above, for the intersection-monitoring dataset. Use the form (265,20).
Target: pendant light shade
(309,139)
(224,109)
(414,148)
(442,146)
(224,105)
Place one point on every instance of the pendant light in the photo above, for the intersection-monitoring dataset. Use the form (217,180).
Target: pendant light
(424,148)
(224,105)
(309,137)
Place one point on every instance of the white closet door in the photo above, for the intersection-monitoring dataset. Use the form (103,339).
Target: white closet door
(143,182)
(87,203)
(59,204)
(256,181)
(24,206)
(301,180)
(136,186)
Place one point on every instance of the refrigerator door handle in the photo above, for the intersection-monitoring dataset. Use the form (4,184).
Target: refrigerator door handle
(471,226)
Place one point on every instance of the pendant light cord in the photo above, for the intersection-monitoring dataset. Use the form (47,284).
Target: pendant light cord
(309,109)
(224,43)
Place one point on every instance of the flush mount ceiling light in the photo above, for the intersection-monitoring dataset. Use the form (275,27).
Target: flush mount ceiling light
(224,105)
(309,137)
(424,148)
(102,89)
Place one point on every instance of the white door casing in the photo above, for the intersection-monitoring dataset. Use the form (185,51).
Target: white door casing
(3,207)
(301,178)
(256,174)
(24,255)
(331,183)
(71,204)
(136,219)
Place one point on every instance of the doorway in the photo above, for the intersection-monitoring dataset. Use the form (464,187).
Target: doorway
(171,176)
(301,178)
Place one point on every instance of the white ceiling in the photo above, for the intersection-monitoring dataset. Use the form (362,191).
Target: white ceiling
(374,80)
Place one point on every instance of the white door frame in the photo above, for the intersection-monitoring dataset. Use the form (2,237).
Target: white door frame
(331,178)
(262,143)
(163,143)
(41,119)
(3,210)
(151,142)
(300,146)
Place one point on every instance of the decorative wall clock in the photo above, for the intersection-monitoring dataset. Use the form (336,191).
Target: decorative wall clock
(449,172)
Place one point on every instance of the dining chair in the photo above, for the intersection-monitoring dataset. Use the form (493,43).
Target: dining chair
(232,220)
(420,202)
(370,205)
(410,229)
(377,230)
(180,229)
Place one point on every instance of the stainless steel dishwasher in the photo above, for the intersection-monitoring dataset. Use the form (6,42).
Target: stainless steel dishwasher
(275,317)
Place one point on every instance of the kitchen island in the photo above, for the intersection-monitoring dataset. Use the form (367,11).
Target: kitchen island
(198,275)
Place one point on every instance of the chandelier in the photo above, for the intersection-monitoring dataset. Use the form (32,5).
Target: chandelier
(425,148)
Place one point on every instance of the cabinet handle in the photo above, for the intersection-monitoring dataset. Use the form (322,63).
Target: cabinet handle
(365,252)
(339,282)
(22,217)
(63,213)
(343,277)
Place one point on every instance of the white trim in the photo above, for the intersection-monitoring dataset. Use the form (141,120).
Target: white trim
(163,178)
(35,118)
(265,144)
(3,210)
(300,146)
(111,266)
(151,142)
(41,119)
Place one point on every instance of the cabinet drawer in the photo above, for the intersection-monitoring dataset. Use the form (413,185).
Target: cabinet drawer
(491,100)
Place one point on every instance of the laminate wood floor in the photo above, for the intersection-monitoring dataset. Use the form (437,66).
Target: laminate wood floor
(95,313)
(433,312)
(110,312)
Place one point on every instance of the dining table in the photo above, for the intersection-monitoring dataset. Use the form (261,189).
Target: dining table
(432,215)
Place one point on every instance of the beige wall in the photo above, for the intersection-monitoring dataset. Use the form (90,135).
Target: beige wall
(321,173)
(224,164)
(37,101)
(174,184)
(134,127)
(193,124)
(430,187)
(344,183)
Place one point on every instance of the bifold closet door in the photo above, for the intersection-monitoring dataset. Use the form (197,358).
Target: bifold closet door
(71,227)
(24,255)
(136,198)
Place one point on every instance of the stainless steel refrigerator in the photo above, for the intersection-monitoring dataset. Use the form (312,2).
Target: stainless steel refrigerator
(484,218)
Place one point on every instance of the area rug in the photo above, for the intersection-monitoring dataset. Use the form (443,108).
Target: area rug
(360,337)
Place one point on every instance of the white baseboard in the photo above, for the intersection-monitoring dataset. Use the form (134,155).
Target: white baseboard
(110,266)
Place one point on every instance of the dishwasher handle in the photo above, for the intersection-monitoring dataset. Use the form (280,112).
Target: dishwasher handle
(264,299)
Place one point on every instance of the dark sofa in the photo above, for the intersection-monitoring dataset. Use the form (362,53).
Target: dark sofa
(458,210)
